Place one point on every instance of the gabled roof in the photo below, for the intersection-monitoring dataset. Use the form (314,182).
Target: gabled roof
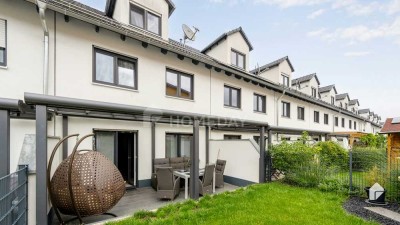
(342,96)
(305,79)
(391,126)
(327,88)
(362,111)
(171,7)
(272,65)
(354,101)
(224,36)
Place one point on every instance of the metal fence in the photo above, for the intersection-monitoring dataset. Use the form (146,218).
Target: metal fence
(14,198)
(355,172)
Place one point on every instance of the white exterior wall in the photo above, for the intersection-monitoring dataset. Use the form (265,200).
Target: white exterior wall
(222,51)
(272,75)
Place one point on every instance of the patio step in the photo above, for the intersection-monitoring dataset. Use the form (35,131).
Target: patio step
(385,212)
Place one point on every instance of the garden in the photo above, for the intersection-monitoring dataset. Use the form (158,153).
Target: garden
(316,180)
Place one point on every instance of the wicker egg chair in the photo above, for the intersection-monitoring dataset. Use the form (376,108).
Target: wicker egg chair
(84,184)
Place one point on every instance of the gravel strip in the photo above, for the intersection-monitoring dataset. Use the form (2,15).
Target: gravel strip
(355,205)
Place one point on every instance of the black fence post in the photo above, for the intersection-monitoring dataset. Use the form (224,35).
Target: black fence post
(350,171)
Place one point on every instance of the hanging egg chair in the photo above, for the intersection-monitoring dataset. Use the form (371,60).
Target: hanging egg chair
(85,184)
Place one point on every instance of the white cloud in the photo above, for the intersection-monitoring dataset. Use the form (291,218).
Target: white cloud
(360,33)
(393,7)
(291,3)
(316,14)
(356,54)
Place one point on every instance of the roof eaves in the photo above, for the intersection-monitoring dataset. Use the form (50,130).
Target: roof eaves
(63,6)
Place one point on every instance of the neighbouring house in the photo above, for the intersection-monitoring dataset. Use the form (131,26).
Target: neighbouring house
(68,68)
(308,85)
(328,94)
(392,129)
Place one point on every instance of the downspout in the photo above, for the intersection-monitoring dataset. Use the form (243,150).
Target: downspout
(42,15)
(277,105)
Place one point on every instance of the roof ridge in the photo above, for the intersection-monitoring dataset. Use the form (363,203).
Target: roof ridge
(226,34)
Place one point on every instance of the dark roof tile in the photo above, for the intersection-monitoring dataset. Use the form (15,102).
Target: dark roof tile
(225,35)
(305,79)
(272,65)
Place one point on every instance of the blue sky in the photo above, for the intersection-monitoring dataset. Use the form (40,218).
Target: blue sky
(354,44)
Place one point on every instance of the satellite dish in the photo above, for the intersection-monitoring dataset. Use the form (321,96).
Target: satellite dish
(189,34)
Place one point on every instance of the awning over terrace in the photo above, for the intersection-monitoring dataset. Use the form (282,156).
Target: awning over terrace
(40,107)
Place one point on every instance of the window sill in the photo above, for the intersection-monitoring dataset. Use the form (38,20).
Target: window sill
(262,113)
(178,98)
(4,67)
(285,117)
(115,87)
(231,107)
(301,120)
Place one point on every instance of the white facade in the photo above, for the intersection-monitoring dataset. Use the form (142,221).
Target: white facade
(71,51)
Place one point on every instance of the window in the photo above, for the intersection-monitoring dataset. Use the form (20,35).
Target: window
(314,92)
(350,124)
(345,105)
(300,113)
(336,121)
(341,105)
(316,116)
(286,109)
(332,100)
(145,20)
(355,125)
(178,145)
(285,80)
(231,97)
(238,59)
(343,122)
(114,69)
(179,84)
(326,119)
(285,138)
(259,103)
(232,137)
(3,42)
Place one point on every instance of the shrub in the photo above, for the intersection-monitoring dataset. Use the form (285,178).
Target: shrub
(289,156)
(332,154)
(375,141)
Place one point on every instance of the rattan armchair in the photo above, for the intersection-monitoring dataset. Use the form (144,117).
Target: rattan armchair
(219,173)
(206,184)
(168,186)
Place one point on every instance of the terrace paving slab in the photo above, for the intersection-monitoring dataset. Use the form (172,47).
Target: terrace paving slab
(385,212)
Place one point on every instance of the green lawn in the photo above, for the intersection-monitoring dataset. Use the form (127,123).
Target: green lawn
(274,203)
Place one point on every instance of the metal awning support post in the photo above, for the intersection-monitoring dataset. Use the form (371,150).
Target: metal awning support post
(262,156)
(207,144)
(41,164)
(194,161)
(4,143)
(153,144)
(65,133)
(269,159)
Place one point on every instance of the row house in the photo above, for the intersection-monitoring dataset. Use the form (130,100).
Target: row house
(72,58)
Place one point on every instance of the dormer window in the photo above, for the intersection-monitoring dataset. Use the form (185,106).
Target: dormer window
(238,59)
(332,100)
(314,92)
(285,80)
(345,105)
(144,19)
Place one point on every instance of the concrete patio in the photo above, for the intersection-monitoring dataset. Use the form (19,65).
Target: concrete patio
(138,199)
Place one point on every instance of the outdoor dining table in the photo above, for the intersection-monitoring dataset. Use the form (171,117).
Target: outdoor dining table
(186,175)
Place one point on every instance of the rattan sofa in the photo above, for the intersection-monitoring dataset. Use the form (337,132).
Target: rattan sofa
(178,163)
